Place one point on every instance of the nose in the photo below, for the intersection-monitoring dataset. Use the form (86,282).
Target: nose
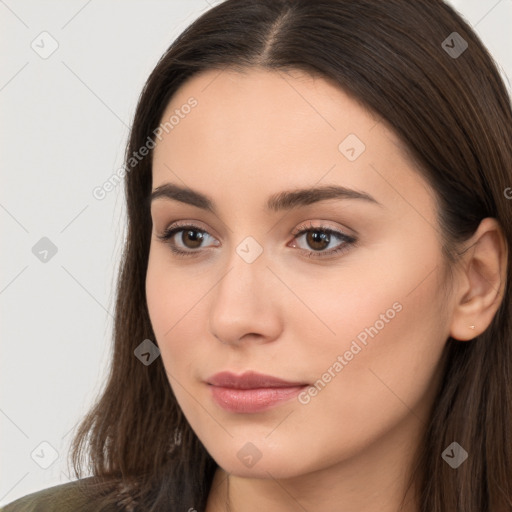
(246,304)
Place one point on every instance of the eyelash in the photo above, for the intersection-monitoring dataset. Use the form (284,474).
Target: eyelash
(348,241)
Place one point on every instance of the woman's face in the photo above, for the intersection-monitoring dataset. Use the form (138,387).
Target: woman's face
(352,318)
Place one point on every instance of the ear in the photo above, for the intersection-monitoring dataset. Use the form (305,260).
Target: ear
(481,282)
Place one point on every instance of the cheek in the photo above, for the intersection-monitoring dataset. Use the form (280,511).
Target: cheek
(382,317)
(362,295)
(175,297)
(389,380)
(381,364)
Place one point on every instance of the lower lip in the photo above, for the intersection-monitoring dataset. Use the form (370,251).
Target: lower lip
(253,400)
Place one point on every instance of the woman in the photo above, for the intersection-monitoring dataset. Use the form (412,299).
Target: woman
(313,308)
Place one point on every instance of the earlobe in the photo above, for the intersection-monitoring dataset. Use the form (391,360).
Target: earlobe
(481,285)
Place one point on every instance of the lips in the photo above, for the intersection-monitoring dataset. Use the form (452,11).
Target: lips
(249,380)
(251,392)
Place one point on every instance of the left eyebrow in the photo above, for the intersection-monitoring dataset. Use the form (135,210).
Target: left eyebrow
(285,200)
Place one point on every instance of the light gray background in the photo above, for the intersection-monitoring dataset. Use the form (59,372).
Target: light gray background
(65,121)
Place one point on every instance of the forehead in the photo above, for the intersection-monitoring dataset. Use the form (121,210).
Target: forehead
(273,130)
(260,101)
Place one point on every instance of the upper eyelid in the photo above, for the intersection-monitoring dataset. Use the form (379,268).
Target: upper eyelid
(301,227)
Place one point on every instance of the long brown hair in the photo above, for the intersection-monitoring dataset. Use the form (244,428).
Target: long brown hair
(453,114)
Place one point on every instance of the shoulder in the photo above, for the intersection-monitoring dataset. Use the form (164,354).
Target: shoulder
(71,496)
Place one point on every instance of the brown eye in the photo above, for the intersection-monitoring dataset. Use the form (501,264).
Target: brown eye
(192,238)
(318,240)
(323,242)
(186,240)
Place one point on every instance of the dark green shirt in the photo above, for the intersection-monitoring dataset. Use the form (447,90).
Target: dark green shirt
(60,498)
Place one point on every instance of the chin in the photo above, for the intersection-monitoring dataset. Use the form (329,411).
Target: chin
(263,462)
(263,470)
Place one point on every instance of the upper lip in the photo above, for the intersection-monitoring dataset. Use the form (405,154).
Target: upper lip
(249,380)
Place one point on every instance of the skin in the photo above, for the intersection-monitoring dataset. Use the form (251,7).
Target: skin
(351,447)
